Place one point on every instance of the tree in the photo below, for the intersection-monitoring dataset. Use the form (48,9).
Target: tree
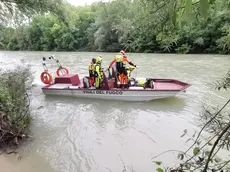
(170,26)
(11,9)
(15,84)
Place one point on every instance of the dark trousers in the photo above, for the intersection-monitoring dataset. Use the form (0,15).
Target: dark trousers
(122,75)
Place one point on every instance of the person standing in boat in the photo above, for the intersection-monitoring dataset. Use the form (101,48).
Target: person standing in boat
(92,72)
(98,72)
(121,59)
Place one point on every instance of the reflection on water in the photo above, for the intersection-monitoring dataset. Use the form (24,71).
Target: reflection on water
(106,111)
(76,134)
(104,106)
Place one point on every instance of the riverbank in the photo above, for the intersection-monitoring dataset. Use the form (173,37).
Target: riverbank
(111,52)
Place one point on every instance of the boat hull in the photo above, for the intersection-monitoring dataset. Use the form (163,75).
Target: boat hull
(73,85)
(125,95)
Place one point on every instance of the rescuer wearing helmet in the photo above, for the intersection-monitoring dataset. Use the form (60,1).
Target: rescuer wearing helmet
(121,59)
(92,72)
(98,72)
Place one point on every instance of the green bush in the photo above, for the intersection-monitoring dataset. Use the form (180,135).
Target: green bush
(184,49)
(14,104)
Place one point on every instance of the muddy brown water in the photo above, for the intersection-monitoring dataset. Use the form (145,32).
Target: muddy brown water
(79,135)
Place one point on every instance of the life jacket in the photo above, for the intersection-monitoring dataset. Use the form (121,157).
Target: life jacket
(141,83)
(119,62)
(91,69)
(147,83)
(98,70)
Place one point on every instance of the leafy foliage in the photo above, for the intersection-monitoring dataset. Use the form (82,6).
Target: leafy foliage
(171,26)
(22,9)
(14,86)
(198,161)
(14,105)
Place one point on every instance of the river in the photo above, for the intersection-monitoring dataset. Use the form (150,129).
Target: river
(79,135)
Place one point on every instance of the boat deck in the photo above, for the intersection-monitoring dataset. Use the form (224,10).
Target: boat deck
(73,85)
(170,85)
(159,84)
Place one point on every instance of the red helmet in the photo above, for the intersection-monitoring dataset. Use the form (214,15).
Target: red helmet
(122,52)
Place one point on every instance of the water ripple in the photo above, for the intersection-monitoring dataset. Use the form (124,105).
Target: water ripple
(96,135)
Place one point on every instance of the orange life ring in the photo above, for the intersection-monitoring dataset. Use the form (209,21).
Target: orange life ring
(59,70)
(46,78)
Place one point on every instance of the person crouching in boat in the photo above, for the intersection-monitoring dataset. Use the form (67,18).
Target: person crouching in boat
(98,72)
(146,83)
(121,61)
(92,72)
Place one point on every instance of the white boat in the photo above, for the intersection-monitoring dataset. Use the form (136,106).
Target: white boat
(73,85)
